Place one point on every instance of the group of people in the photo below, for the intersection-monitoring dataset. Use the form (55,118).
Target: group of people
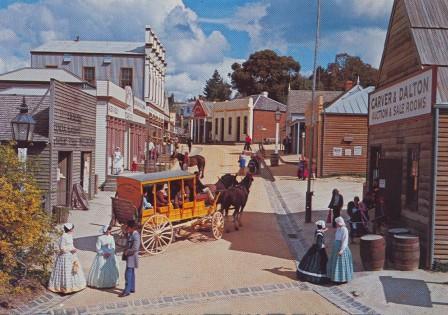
(253,165)
(68,276)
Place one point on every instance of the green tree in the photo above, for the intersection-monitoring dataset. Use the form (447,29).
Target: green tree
(26,230)
(216,89)
(265,71)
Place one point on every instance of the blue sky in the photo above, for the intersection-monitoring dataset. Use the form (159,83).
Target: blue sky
(200,35)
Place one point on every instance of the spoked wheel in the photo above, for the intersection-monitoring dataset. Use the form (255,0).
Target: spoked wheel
(157,234)
(217,225)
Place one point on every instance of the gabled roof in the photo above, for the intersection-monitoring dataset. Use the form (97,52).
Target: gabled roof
(24,91)
(262,102)
(92,47)
(298,100)
(236,104)
(38,106)
(40,75)
(353,102)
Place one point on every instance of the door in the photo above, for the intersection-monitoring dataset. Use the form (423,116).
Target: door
(390,182)
(375,155)
(63,173)
(238,129)
(222,129)
(86,171)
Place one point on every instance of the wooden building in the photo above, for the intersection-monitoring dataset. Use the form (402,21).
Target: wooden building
(64,138)
(408,124)
(341,133)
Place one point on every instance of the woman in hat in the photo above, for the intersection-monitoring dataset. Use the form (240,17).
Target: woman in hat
(67,275)
(340,265)
(313,266)
(104,272)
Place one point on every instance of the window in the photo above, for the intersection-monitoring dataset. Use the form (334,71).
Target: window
(107,59)
(216,126)
(230,125)
(67,58)
(126,77)
(413,158)
(88,74)
(246,131)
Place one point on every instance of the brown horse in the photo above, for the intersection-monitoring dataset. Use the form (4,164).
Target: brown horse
(194,160)
(236,197)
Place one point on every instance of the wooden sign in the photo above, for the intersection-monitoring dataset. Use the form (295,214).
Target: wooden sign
(406,99)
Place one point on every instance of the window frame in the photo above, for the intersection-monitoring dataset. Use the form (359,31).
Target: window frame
(92,81)
(122,70)
(412,176)
(229,125)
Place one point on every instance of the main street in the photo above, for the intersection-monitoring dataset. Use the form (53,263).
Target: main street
(250,270)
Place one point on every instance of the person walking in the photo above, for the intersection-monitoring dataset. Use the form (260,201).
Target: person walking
(189,143)
(151,148)
(313,266)
(130,255)
(247,143)
(301,167)
(242,165)
(336,203)
(67,275)
(340,265)
(104,272)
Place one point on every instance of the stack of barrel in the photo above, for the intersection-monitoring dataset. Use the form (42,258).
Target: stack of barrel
(402,250)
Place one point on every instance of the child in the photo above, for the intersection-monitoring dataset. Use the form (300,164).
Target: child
(242,164)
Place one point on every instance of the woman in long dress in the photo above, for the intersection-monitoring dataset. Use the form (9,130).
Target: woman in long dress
(118,161)
(313,266)
(104,272)
(67,275)
(340,265)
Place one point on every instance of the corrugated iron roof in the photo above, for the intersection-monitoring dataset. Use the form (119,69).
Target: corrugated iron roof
(298,100)
(24,91)
(432,45)
(353,102)
(262,102)
(427,13)
(92,47)
(40,75)
(235,104)
(141,177)
(442,85)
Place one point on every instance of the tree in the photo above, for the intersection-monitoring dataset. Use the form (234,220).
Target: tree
(26,230)
(346,68)
(265,71)
(216,89)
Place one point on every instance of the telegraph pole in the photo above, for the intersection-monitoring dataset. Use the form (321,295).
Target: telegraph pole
(309,193)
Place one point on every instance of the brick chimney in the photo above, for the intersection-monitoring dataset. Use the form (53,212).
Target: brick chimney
(348,85)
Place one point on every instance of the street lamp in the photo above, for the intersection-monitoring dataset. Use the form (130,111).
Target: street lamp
(23,129)
(274,157)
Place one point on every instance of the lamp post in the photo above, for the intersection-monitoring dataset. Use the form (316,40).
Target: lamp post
(274,157)
(23,129)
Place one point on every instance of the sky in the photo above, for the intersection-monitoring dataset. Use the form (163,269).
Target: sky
(200,35)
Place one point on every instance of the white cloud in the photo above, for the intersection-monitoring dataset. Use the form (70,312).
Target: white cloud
(367,43)
(367,8)
(176,25)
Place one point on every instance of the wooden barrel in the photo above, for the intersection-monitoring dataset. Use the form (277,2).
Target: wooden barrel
(373,252)
(390,241)
(406,252)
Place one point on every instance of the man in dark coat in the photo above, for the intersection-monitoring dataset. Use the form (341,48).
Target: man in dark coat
(336,203)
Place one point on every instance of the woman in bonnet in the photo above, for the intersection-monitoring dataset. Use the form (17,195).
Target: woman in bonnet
(104,272)
(67,275)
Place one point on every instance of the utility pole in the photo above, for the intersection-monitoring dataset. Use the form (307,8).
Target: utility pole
(309,193)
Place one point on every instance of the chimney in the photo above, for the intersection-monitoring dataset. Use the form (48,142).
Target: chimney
(265,93)
(148,35)
(77,38)
(348,85)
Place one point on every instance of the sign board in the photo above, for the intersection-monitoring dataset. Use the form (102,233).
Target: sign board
(348,152)
(406,99)
(22,154)
(382,183)
(118,112)
(357,150)
(337,151)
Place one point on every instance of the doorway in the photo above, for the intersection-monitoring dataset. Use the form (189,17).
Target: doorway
(63,177)
(222,129)
(374,165)
(86,172)
(390,182)
(238,129)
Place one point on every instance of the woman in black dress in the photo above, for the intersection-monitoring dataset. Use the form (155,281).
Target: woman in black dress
(313,266)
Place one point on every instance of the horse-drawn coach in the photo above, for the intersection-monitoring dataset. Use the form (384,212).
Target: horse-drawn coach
(161,203)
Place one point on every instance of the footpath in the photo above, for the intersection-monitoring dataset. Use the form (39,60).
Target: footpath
(380,292)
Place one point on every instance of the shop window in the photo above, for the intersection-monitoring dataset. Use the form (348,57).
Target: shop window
(230,125)
(126,77)
(88,74)
(216,126)
(412,186)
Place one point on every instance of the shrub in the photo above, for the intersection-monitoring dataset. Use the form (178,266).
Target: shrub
(26,230)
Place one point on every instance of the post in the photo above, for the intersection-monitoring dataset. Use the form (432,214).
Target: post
(309,193)
(277,127)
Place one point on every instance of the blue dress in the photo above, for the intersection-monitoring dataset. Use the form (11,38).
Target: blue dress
(104,272)
(340,268)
